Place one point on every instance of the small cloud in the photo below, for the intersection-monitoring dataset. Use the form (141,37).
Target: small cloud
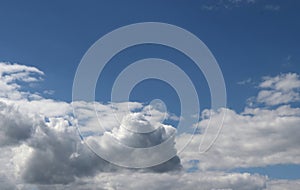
(209,7)
(287,61)
(272,7)
(175,117)
(241,1)
(289,57)
(13,78)
(244,82)
(49,92)
(278,90)
(226,4)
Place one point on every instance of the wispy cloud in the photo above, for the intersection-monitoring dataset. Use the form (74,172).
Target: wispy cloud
(49,92)
(287,61)
(226,4)
(271,7)
(244,82)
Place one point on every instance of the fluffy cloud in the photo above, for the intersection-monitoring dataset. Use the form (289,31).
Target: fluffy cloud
(256,137)
(52,152)
(13,130)
(41,149)
(59,157)
(280,89)
(13,74)
(45,130)
(151,181)
(158,181)
(120,143)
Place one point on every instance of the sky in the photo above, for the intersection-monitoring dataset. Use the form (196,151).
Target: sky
(255,44)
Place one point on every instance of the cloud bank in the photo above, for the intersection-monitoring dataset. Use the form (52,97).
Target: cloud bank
(41,149)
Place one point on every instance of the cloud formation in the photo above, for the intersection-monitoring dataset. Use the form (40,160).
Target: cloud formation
(15,126)
(41,149)
(281,89)
(47,141)
(255,137)
(226,4)
(182,181)
(13,74)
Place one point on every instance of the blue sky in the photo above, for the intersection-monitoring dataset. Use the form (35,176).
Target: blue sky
(249,39)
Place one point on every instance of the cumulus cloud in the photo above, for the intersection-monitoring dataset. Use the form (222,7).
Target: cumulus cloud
(138,141)
(126,136)
(258,136)
(15,126)
(281,89)
(10,77)
(158,181)
(182,181)
(59,157)
(41,149)
(54,154)
(50,143)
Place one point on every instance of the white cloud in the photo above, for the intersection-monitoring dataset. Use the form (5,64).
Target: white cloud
(12,74)
(52,152)
(282,82)
(130,142)
(242,1)
(256,137)
(39,143)
(272,97)
(49,92)
(8,68)
(283,184)
(226,4)
(15,126)
(182,181)
(272,7)
(42,107)
(44,129)
(281,89)
(158,181)
(247,81)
